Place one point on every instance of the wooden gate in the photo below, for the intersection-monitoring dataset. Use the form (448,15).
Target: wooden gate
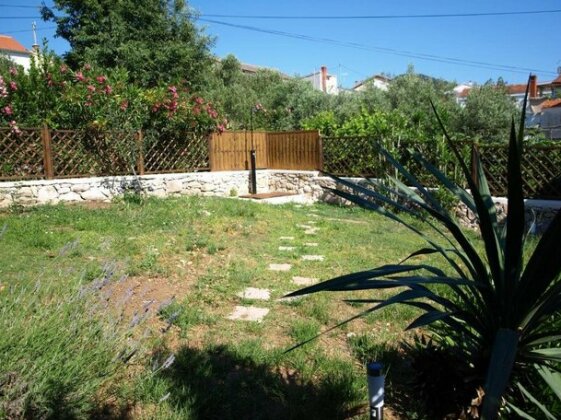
(300,150)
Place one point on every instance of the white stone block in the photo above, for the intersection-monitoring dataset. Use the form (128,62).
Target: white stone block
(94,194)
(47,194)
(280,267)
(255,293)
(174,186)
(248,313)
(70,196)
(313,257)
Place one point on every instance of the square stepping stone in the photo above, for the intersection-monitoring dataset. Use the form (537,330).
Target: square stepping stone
(305,226)
(304,281)
(311,222)
(289,299)
(311,244)
(280,267)
(287,248)
(286,238)
(255,293)
(313,257)
(311,231)
(248,313)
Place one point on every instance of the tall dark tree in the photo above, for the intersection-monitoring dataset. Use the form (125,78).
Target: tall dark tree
(154,40)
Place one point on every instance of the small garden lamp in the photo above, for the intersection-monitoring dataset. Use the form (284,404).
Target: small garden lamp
(375,389)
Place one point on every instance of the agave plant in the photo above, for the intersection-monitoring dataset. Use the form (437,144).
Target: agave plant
(500,307)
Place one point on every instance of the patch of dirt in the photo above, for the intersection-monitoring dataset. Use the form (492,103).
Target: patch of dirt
(145,294)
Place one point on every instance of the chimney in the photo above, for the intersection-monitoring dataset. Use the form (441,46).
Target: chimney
(324,78)
(533,86)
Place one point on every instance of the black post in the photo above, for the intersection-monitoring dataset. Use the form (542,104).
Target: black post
(253,175)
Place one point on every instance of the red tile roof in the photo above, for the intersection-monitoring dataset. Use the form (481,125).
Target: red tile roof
(556,81)
(551,103)
(514,89)
(7,43)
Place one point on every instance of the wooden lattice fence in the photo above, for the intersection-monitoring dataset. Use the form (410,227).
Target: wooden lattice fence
(21,155)
(358,156)
(541,169)
(44,153)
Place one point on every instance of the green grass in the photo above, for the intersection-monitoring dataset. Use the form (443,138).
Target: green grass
(208,250)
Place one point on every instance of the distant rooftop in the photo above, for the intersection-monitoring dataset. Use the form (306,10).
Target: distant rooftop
(7,43)
(252,69)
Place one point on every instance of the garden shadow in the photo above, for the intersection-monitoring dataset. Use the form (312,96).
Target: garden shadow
(216,383)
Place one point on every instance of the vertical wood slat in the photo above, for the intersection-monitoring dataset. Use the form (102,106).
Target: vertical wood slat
(140,152)
(320,152)
(47,152)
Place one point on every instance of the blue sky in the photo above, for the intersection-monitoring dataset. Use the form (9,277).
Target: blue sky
(378,45)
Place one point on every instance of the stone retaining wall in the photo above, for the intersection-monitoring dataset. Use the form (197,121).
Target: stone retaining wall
(219,184)
(539,213)
(106,188)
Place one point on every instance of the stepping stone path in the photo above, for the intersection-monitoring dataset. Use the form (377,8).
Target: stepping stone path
(287,248)
(254,293)
(280,267)
(248,313)
(313,257)
(304,281)
(256,314)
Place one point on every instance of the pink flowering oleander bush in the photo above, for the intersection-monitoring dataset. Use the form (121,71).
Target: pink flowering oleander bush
(51,93)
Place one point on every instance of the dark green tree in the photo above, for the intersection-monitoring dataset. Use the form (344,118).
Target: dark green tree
(156,41)
(488,112)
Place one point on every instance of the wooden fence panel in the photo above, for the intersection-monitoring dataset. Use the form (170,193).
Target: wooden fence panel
(230,151)
(21,155)
(298,150)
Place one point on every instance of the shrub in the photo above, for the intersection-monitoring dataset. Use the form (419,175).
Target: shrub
(60,350)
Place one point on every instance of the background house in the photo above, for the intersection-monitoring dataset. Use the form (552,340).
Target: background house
(13,50)
(377,81)
(322,80)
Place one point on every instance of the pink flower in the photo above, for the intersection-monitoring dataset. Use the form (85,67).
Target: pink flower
(124,105)
(13,86)
(91,88)
(79,76)
(108,90)
(13,71)
(14,128)
(156,107)
(199,100)
(101,79)
(63,68)
(87,67)
(196,110)
(221,128)
(3,90)
(7,110)
(88,103)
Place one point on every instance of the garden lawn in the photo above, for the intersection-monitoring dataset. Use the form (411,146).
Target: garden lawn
(162,277)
